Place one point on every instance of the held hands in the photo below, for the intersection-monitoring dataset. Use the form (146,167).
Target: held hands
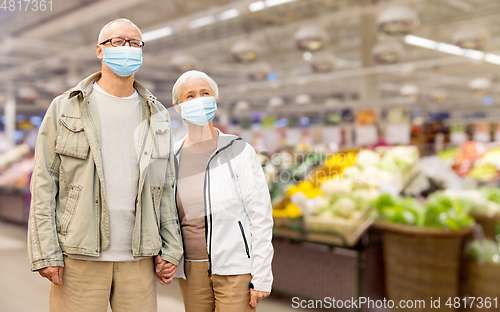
(256,296)
(164,270)
(53,274)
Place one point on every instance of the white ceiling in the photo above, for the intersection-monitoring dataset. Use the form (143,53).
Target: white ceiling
(58,48)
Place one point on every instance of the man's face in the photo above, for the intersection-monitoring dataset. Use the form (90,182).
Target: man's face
(118,29)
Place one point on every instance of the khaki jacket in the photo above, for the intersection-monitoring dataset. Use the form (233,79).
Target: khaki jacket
(68,212)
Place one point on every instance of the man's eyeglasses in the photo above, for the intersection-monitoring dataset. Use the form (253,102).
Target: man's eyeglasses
(120,42)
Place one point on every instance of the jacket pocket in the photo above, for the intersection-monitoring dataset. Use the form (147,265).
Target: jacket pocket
(71,203)
(156,193)
(244,239)
(161,143)
(72,140)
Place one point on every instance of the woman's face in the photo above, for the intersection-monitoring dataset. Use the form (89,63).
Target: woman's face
(195,88)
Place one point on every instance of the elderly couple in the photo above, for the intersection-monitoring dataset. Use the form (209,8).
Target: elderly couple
(115,205)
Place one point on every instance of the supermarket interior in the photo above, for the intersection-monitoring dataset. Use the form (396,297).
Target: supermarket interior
(377,124)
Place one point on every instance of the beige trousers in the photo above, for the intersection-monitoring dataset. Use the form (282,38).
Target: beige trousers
(219,293)
(90,285)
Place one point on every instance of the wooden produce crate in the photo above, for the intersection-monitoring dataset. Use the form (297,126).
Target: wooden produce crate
(348,231)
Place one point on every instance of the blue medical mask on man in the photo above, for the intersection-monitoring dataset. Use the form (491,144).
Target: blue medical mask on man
(123,61)
(200,111)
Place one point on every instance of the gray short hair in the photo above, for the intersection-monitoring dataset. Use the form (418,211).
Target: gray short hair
(192,74)
(105,28)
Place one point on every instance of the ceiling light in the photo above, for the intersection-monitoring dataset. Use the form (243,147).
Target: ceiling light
(480,85)
(156,34)
(388,52)
(452,49)
(471,37)
(276,102)
(228,14)
(303,99)
(421,42)
(259,71)
(473,54)
(257,6)
(183,62)
(245,51)
(271,3)
(492,58)
(242,106)
(409,90)
(311,38)
(200,22)
(397,20)
(449,48)
(323,62)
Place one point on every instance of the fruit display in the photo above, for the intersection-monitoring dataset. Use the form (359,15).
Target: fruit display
(448,155)
(474,161)
(440,211)
(281,174)
(16,167)
(483,173)
(13,155)
(18,174)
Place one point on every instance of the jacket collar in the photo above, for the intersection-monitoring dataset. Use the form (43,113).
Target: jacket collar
(223,141)
(84,87)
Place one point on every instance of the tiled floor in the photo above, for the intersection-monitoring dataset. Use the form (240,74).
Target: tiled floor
(24,291)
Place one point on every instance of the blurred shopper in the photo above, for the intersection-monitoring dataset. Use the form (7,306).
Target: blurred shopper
(102,189)
(224,208)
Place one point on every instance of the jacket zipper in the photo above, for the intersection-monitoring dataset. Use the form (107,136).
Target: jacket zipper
(244,239)
(210,265)
(176,166)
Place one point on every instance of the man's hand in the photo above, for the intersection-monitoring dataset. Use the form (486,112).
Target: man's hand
(164,270)
(53,274)
(256,296)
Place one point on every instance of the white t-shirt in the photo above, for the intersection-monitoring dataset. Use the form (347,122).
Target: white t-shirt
(119,119)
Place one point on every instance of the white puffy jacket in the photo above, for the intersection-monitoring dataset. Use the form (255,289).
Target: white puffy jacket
(238,212)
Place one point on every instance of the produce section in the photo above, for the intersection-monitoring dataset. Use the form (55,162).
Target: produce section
(340,200)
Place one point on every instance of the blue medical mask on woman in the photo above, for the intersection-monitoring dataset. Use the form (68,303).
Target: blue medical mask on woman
(124,61)
(200,111)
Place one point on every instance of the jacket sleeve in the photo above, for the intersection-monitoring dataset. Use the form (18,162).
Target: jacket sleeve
(171,250)
(43,244)
(257,203)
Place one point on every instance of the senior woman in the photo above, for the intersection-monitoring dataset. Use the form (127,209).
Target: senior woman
(224,208)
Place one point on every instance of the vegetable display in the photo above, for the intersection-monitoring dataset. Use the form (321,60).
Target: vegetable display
(440,211)
(484,251)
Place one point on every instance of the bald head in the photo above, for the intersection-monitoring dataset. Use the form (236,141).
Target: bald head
(118,26)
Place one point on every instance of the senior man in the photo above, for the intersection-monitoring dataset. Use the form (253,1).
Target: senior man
(102,188)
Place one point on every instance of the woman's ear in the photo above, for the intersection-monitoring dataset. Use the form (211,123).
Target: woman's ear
(177,108)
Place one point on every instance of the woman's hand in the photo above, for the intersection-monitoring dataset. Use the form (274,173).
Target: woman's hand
(164,270)
(256,296)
